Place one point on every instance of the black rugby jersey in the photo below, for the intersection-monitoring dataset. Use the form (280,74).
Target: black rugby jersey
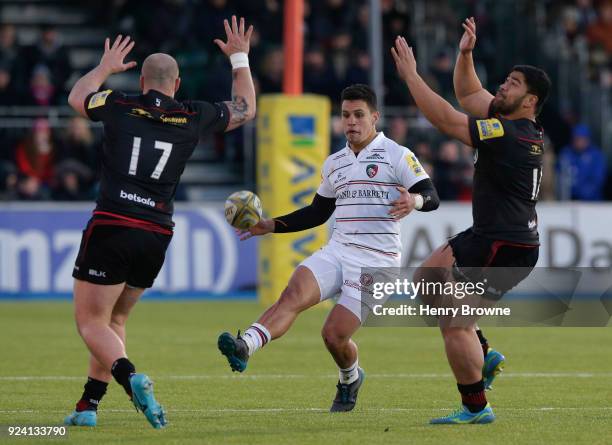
(507,178)
(148,139)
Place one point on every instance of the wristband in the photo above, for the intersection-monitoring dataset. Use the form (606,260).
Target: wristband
(418,201)
(239,60)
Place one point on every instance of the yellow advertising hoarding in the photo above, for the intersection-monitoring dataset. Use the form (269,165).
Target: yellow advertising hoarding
(293,134)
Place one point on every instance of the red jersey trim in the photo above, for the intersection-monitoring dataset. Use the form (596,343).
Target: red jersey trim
(139,223)
(136,104)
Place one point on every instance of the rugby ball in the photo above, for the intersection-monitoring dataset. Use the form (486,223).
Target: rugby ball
(243,209)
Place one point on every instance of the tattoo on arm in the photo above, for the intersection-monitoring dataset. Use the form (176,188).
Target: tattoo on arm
(239,109)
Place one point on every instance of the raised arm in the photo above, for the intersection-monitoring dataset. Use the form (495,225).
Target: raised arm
(472,97)
(440,113)
(110,63)
(243,103)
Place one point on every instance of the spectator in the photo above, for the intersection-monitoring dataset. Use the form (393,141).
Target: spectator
(361,28)
(600,32)
(51,53)
(9,56)
(72,182)
(41,91)
(9,50)
(582,168)
(423,152)
(34,158)
(208,23)
(398,131)
(586,14)
(442,72)
(448,171)
(359,68)
(8,180)
(8,95)
(271,72)
(331,23)
(319,76)
(338,140)
(78,145)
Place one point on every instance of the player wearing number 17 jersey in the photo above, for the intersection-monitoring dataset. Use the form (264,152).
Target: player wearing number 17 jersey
(148,139)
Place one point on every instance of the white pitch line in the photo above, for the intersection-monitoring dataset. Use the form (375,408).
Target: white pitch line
(317,410)
(587,375)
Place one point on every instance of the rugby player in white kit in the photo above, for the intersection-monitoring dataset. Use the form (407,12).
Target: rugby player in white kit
(371,184)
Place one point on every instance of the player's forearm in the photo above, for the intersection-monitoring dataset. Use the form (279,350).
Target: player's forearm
(465,79)
(428,192)
(89,83)
(437,111)
(243,104)
(307,217)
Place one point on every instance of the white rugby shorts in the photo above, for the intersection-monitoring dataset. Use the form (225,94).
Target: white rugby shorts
(338,269)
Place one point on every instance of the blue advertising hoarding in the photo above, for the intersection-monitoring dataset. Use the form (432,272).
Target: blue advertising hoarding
(39,243)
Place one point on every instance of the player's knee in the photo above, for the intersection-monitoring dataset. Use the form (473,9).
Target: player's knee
(84,327)
(454,334)
(119,319)
(332,337)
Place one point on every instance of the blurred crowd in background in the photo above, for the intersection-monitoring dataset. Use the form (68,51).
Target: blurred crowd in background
(571,39)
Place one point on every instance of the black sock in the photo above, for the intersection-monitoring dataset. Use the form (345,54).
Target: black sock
(483,342)
(122,369)
(94,391)
(473,396)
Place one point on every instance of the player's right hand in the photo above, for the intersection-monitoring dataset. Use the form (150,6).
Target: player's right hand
(468,40)
(112,59)
(261,228)
(237,40)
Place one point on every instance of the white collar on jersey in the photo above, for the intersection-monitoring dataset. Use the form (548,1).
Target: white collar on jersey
(375,142)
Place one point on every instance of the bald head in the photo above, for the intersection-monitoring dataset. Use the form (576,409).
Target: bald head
(160,71)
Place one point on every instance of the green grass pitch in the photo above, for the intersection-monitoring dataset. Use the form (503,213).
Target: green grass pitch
(557,386)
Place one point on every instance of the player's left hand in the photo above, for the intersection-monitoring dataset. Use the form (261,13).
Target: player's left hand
(404,58)
(112,59)
(237,40)
(403,205)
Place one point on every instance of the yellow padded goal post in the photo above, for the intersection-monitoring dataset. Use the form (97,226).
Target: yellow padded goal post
(293,135)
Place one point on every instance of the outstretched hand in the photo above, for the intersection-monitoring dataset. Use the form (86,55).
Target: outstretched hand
(237,40)
(404,58)
(403,205)
(261,228)
(468,40)
(112,59)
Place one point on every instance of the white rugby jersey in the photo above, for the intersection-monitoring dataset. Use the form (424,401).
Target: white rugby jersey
(364,187)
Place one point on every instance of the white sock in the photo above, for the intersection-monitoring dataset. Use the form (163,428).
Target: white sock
(350,374)
(256,336)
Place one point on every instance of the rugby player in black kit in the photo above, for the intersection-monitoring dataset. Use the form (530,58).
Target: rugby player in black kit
(508,172)
(148,138)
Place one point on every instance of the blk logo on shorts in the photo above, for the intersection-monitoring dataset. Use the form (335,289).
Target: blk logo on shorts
(97,273)
(371,170)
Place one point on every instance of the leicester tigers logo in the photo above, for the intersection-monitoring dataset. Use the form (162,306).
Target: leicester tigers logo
(366,279)
(371,170)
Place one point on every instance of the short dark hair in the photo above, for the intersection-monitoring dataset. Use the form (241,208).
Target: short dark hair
(359,91)
(538,83)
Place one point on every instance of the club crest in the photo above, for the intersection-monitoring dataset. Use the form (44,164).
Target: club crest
(371,170)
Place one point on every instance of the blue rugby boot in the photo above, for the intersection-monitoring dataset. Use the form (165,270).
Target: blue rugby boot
(142,396)
(235,349)
(493,364)
(346,395)
(81,418)
(464,416)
